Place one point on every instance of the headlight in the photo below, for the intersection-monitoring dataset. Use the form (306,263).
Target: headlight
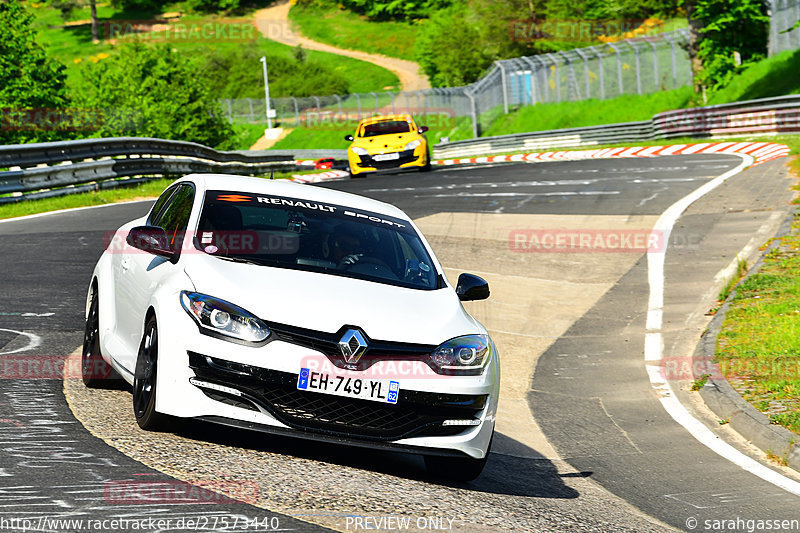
(466,355)
(359,151)
(412,145)
(220,318)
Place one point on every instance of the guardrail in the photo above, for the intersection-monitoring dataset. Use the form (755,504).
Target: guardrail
(766,116)
(59,167)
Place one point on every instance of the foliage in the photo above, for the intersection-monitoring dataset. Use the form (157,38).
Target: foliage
(212,6)
(29,79)
(456,44)
(237,73)
(611,9)
(388,9)
(152,91)
(730,26)
(774,76)
(442,50)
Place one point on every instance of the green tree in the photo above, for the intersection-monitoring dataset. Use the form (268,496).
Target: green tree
(212,6)
(29,79)
(448,48)
(393,9)
(728,27)
(152,91)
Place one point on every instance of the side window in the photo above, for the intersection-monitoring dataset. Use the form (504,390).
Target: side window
(159,206)
(175,216)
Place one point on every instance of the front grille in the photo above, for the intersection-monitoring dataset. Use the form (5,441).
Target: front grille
(406,156)
(328,344)
(415,414)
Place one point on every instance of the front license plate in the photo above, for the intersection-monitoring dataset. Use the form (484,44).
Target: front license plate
(386,157)
(376,390)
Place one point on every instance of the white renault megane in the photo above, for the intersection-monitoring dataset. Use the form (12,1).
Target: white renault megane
(296,310)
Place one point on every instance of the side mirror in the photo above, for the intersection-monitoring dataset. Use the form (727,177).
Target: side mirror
(471,287)
(423,129)
(348,137)
(151,239)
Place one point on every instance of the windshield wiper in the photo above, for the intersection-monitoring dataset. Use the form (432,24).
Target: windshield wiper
(237,259)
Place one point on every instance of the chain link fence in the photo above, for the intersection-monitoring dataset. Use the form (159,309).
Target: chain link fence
(632,66)
(784,33)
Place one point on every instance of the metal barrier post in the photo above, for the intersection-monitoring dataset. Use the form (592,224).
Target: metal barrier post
(504,81)
(655,62)
(638,66)
(474,112)
(534,70)
(619,68)
(552,58)
(585,71)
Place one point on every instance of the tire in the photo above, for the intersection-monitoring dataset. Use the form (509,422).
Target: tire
(145,378)
(427,166)
(94,370)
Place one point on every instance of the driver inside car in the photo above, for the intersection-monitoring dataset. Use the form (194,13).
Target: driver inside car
(346,248)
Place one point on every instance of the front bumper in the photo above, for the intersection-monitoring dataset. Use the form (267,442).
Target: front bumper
(266,397)
(406,159)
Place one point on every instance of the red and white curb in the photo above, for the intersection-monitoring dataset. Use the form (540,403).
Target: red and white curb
(331,175)
(760,151)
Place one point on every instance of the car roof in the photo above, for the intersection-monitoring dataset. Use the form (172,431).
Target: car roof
(287,188)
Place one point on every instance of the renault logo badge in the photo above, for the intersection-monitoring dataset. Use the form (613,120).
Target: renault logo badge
(352,345)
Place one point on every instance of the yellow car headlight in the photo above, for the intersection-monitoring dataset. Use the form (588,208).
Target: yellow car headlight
(359,151)
(412,145)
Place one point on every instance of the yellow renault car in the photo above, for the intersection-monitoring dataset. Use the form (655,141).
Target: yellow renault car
(388,142)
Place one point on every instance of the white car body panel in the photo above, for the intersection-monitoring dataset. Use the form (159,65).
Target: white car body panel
(315,301)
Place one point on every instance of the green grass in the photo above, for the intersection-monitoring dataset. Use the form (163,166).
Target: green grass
(629,108)
(73,47)
(760,337)
(348,30)
(774,76)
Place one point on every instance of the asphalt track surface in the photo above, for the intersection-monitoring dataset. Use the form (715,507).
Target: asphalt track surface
(590,393)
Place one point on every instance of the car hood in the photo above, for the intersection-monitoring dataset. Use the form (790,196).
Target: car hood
(386,143)
(325,302)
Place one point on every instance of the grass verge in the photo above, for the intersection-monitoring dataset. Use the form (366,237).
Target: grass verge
(758,348)
(552,116)
(345,29)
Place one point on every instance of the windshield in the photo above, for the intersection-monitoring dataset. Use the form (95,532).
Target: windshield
(385,127)
(305,235)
